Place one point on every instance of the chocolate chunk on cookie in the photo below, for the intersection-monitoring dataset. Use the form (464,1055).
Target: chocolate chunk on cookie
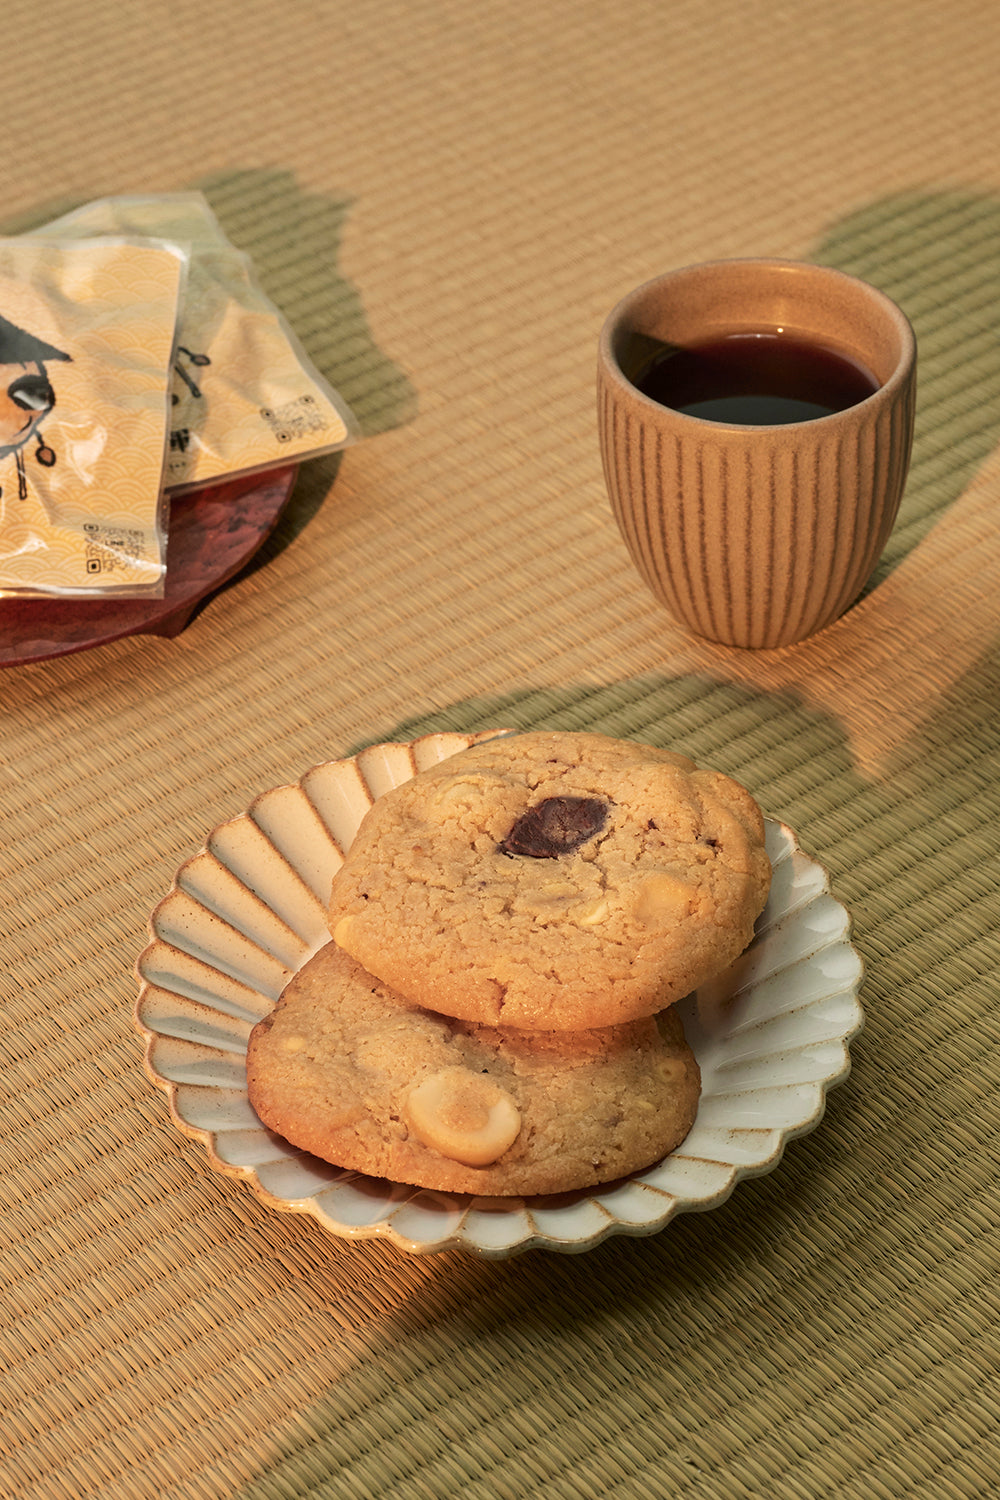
(346,1069)
(555,826)
(553,881)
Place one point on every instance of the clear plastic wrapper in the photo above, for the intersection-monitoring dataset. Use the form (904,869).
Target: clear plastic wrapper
(245,396)
(88,333)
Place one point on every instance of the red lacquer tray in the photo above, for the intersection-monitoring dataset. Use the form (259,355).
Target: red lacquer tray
(213,534)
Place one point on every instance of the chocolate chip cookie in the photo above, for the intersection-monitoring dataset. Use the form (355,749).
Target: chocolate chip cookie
(349,1071)
(553,881)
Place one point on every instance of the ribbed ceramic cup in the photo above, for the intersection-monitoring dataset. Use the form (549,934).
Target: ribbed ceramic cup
(756,536)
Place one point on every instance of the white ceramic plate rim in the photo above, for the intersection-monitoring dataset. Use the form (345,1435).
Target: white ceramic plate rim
(772,1036)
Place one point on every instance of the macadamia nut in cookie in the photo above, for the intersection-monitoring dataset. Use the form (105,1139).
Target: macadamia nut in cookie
(346,1069)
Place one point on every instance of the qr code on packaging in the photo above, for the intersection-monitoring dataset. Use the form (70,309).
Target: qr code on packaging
(109,548)
(294,419)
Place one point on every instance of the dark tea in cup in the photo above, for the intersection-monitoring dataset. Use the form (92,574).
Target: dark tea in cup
(763,378)
(760,525)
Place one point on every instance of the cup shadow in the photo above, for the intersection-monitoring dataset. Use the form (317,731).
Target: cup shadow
(937,254)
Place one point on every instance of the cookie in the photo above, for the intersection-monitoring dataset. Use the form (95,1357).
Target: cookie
(345,1069)
(553,881)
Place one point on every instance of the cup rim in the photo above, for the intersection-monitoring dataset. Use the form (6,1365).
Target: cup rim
(886,390)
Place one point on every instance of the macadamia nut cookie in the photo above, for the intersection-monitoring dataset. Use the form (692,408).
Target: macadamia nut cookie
(553,881)
(347,1070)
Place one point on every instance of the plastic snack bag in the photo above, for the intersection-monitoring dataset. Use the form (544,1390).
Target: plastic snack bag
(87,338)
(245,395)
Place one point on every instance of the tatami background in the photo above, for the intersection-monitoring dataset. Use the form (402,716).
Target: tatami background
(446,199)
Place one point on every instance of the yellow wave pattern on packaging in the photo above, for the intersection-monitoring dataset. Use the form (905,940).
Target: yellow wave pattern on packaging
(87,335)
(245,395)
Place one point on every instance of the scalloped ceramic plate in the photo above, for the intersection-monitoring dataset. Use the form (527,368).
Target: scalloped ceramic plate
(247,910)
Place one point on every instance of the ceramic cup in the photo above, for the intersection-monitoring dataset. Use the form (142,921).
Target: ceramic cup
(756,535)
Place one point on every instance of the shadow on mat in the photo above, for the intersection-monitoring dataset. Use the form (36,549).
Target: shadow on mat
(545,1330)
(293,238)
(938,255)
